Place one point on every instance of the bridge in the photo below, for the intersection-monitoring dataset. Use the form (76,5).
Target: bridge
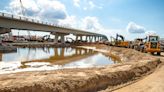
(9,22)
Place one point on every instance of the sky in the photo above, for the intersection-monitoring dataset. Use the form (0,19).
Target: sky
(130,18)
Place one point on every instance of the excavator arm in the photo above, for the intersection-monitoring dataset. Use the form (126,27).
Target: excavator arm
(120,36)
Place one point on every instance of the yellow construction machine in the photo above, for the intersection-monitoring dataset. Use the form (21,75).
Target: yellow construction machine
(119,41)
(151,45)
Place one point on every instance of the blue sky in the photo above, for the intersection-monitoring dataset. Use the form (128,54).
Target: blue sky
(131,18)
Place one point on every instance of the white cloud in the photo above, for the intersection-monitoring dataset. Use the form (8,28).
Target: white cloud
(91,23)
(69,21)
(46,9)
(87,4)
(135,28)
(76,3)
(85,8)
(91,4)
(151,32)
(87,23)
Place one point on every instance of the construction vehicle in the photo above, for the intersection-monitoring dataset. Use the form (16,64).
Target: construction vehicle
(119,41)
(7,37)
(46,38)
(162,44)
(136,44)
(151,45)
(69,40)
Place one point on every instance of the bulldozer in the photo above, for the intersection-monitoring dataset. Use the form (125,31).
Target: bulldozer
(119,41)
(151,45)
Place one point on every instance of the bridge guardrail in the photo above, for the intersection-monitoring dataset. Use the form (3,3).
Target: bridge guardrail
(30,20)
(34,20)
(26,19)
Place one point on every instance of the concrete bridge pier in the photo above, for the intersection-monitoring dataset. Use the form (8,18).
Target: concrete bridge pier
(62,38)
(101,38)
(98,38)
(61,35)
(86,38)
(56,38)
(3,31)
(79,36)
(90,38)
(94,38)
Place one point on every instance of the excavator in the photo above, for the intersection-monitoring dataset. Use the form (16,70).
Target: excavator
(119,41)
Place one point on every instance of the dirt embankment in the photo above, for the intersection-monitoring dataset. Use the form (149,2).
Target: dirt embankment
(151,83)
(81,80)
(126,54)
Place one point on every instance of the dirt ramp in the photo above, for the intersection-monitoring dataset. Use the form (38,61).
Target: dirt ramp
(80,80)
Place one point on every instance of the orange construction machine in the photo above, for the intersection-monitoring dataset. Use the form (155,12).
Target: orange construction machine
(151,44)
(119,41)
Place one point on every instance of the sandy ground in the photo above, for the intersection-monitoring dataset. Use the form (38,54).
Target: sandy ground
(75,80)
(133,66)
(152,83)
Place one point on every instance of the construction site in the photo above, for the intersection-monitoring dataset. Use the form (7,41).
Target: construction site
(65,59)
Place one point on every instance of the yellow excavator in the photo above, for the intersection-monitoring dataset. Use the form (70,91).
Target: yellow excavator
(119,41)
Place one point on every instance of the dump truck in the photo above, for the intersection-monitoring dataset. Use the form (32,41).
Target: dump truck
(151,45)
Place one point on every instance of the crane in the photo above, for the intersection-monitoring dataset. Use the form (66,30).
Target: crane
(23,14)
(22,8)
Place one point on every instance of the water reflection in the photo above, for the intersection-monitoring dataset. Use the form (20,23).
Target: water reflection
(30,59)
(63,56)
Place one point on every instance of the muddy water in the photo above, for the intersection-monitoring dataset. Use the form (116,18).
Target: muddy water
(38,59)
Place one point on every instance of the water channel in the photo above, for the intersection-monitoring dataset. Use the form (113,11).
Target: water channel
(39,59)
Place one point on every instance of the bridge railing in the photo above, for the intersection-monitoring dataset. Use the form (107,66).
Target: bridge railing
(29,19)
(23,18)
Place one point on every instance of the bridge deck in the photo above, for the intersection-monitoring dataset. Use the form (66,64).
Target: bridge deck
(24,23)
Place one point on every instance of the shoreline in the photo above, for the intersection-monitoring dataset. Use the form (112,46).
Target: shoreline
(131,68)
